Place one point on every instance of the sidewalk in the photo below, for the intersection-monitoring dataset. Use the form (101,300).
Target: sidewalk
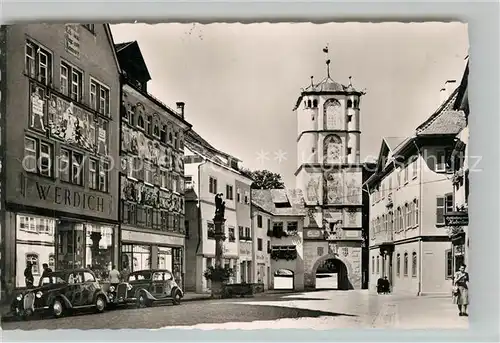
(420,313)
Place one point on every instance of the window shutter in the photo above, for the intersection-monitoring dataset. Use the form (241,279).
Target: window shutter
(440,210)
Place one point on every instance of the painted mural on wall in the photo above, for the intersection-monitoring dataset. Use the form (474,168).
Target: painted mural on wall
(333,149)
(37,118)
(333,116)
(352,217)
(352,186)
(332,223)
(313,218)
(313,189)
(333,187)
(142,194)
(138,144)
(73,124)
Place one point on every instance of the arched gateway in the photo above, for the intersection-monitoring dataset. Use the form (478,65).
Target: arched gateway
(330,272)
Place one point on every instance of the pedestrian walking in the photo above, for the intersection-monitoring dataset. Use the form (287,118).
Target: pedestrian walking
(386,285)
(28,275)
(46,269)
(461,290)
(114,275)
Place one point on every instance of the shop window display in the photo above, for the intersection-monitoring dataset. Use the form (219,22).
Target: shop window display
(34,243)
(135,257)
(85,245)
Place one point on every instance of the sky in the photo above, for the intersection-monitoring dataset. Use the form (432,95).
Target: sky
(240,82)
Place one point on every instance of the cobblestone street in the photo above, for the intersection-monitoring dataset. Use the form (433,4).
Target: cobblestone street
(318,310)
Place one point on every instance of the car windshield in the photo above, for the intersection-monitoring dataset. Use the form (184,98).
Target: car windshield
(52,278)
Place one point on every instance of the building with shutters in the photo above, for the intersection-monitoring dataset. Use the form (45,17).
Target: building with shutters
(209,171)
(411,194)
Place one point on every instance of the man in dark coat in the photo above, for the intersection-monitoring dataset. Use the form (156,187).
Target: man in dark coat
(28,275)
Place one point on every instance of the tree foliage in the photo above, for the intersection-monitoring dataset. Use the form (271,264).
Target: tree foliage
(264,179)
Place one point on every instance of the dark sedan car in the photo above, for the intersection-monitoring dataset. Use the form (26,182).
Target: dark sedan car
(146,287)
(60,292)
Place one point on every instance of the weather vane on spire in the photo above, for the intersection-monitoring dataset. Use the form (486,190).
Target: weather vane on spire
(325,50)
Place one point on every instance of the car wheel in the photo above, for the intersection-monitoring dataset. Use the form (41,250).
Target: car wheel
(57,308)
(177,298)
(142,301)
(100,303)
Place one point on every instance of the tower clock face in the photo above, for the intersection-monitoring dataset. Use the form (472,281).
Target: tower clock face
(333,116)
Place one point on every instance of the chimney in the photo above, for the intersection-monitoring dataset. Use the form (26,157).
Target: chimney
(180,108)
(449,87)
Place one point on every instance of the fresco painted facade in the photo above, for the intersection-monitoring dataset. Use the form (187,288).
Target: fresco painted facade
(328,118)
(61,203)
(152,185)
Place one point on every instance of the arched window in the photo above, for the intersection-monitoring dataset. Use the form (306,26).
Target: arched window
(356,104)
(35,262)
(373,264)
(333,116)
(405,265)
(378,264)
(52,262)
(140,122)
(181,141)
(309,103)
(401,220)
(415,201)
(132,117)
(163,135)
(315,103)
(332,149)
(150,125)
(414,264)
(398,264)
(349,103)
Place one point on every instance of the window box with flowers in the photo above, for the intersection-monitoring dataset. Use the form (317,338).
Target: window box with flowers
(288,253)
(218,274)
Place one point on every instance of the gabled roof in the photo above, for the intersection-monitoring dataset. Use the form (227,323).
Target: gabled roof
(276,201)
(462,102)
(446,123)
(194,142)
(445,120)
(394,142)
(129,54)
(112,44)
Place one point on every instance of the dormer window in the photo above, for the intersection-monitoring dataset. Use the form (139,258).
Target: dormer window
(140,122)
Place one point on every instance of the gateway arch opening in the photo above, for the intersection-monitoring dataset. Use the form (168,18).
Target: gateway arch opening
(332,274)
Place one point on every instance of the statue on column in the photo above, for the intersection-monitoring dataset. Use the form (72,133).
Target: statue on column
(220,206)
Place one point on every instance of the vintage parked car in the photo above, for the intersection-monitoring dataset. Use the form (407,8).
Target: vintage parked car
(145,287)
(60,292)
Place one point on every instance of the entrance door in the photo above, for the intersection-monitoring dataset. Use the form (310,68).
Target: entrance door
(283,279)
(332,274)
